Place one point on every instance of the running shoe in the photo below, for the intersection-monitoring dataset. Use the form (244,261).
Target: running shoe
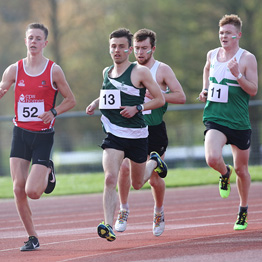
(106,231)
(161,168)
(51,179)
(224,184)
(241,223)
(31,244)
(158,224)
(120,225)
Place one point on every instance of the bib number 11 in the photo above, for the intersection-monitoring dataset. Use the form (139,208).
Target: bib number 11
(218,93)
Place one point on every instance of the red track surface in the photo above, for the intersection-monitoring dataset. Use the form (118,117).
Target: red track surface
(199,227)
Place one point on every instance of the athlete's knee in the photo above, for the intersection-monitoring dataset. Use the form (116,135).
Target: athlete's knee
(19,192)
(137,185)
(110,180)
(155,181)
(33,193)
(242,172)
(212,160)
(124,170)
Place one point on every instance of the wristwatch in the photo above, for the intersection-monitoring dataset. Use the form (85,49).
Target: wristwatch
(53,112)
(140,108)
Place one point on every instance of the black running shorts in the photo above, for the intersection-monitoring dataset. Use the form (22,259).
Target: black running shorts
(35,146)
(239,138)
(134,149)
(157,139)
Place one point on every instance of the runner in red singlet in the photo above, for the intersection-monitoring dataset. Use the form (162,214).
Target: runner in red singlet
(37,81)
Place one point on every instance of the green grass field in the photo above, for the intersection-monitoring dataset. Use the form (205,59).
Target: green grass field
(94,183)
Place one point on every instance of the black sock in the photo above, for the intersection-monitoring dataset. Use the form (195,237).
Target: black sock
(226,175)
(243,209)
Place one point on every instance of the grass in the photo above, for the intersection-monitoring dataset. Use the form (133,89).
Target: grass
(94,183)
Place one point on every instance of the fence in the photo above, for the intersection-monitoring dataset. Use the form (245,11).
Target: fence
(78,136)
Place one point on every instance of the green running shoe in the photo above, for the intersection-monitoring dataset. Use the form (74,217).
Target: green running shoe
(161,168)
(106,231)
(241,223)
(224,184)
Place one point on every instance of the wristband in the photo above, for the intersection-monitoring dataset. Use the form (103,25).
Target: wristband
(239,76)
(53,111)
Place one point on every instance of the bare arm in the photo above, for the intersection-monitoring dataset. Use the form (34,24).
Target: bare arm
(63,87)
(154,89)
(69,99)
(141,77)
(90,109)
(203,93)
(8,79)
(168,78)
(248,68)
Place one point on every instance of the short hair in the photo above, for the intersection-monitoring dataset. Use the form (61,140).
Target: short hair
(38,26)
(231,19)
(122,32)
(143,34)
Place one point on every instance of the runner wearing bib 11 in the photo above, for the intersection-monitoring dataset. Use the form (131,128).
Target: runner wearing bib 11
(230,78)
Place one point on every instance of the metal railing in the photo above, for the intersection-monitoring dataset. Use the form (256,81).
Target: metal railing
(184,126)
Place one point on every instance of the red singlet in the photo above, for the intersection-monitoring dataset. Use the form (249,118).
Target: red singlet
(34,95)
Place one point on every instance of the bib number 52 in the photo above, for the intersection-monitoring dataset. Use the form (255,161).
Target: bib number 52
(30,111)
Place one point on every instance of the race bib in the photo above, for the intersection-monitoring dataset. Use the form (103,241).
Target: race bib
(30,111)
(217,93)
(109,99)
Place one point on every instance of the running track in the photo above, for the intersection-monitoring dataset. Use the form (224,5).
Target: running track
(199,227)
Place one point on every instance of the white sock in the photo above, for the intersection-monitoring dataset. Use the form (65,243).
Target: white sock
(158,209)
(124,206)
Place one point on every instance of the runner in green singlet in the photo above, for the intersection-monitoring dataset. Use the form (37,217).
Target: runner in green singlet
(229,79)
(144,48)
(121,103)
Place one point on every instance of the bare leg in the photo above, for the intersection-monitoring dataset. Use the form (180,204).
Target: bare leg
(112,160)
(32,185)
(124,182)
(37,181)
(158,187)
(214,142)
(243,179)
(141,172)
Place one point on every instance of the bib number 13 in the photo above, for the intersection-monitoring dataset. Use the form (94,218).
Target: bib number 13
(109,99)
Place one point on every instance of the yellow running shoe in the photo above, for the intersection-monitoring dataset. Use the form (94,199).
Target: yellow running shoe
(224,184)
(161,168)
(106,231)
